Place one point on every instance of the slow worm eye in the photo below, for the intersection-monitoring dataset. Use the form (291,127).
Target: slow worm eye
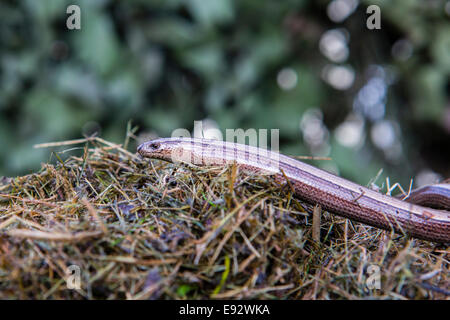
(154,146)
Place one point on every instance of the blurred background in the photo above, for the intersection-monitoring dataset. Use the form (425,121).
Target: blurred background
(369,99)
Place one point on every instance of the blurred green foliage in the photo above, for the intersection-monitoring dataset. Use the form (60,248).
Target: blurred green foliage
(164,64)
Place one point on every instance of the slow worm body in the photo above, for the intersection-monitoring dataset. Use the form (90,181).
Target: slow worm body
(316,186)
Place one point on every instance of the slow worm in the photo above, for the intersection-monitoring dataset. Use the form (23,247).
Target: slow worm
(316,186)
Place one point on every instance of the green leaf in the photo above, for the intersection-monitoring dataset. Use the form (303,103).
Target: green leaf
(96,42)
(183,290)
(211,11)
(206,60)
(429,93)
(440,48)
